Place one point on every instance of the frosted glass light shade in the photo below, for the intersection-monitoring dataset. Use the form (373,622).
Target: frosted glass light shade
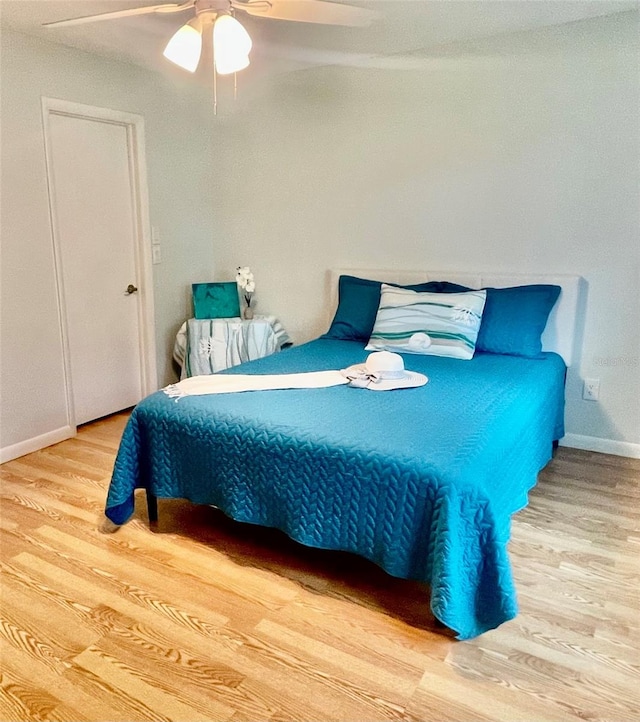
(185,47)
(224,67)
(231,45)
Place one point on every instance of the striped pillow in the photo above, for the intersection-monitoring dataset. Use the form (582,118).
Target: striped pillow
(439,324)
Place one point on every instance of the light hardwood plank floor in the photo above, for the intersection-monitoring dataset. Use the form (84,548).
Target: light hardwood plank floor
(207,619)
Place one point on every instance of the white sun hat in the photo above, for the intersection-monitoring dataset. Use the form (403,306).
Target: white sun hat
(383,371)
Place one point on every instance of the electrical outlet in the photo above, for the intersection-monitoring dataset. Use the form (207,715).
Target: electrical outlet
(591,389)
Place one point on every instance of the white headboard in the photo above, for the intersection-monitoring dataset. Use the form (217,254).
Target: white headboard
(561,334)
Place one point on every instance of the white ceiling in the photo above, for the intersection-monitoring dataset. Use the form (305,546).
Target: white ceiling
(405,28)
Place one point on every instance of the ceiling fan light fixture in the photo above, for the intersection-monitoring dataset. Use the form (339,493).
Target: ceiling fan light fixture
(231,45)
(225,66)
(185,46)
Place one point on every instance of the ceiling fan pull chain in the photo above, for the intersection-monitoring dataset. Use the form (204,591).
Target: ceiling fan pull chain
(235,74)
(215,91)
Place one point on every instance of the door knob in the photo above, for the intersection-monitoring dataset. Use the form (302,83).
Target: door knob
(130,289)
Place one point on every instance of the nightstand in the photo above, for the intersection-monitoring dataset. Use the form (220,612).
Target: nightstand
(204,346)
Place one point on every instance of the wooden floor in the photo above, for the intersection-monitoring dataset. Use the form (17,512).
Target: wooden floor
(206,619)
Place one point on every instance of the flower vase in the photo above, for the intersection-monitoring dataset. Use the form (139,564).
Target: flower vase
(247,313)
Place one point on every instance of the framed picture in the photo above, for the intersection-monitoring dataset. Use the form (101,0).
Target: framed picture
(216,300)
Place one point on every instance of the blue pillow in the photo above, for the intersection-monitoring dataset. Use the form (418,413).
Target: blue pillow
(358,301)
(514,319)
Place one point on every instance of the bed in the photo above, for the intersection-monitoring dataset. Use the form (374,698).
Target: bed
(430,501)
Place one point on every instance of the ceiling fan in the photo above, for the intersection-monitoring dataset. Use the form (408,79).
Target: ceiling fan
(231,42)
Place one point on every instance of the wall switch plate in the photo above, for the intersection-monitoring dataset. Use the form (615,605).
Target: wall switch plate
(591,389)
(156,254)
(155,235)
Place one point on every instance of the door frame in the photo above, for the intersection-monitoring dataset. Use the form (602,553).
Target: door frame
(134,126)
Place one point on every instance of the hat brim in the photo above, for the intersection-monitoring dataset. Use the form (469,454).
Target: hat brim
(410,379)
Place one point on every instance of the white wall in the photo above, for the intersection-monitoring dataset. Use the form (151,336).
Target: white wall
(181,187)
(520,153)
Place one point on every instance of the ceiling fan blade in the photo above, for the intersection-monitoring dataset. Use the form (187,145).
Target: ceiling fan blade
(166,8)
(308,11)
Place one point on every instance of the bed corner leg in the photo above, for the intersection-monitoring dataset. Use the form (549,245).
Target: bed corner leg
(152,507)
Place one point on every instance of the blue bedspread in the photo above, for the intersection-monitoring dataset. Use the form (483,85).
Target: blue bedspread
(421,481)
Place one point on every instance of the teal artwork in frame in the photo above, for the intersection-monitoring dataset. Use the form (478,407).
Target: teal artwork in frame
(216,300)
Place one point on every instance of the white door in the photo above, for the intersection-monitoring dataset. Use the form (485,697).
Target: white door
(96,227)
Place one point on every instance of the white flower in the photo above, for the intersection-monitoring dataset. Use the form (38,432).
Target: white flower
(420,340)
(462,315)
(244,279)
(205,347)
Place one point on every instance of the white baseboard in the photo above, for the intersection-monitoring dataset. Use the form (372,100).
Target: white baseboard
(604,446)
(36,443)
(574,441)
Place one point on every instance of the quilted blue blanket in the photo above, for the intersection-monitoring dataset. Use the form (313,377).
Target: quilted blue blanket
(421,481)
